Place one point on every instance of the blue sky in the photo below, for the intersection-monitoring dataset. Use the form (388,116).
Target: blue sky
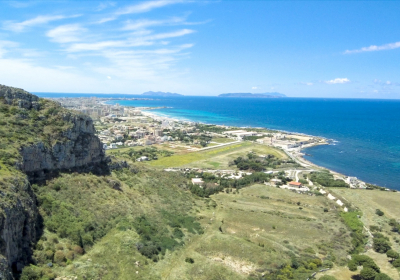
(347,49)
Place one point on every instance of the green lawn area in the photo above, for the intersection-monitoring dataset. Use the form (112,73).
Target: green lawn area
(215,158)
(222,140)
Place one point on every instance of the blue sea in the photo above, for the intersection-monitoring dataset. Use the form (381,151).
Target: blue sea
(366,133)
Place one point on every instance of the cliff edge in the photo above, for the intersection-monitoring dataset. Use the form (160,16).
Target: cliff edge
(38,138)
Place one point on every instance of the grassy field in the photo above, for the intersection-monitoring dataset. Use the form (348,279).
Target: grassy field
(368,201)
(237,224)
(215,158)
(222,140)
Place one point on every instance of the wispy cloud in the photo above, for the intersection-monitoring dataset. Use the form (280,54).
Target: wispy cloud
(66,33)
(105,5)
(140,8)
(338,81)
(306,83)
(130,42)
(5,46)
(39,20)
(374,48)
(145,23)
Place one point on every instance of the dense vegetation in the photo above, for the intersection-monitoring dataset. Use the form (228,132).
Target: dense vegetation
(253,162)
(19,127)
(351,219)
(215,184)
(325,178)
(151,152)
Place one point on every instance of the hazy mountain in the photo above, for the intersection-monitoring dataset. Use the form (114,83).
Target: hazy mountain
(160,93)
(254,95)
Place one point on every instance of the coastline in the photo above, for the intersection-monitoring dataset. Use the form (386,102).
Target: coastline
(297,155)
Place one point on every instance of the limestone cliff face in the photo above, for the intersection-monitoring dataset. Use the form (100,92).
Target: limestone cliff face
(18,225)
(77,148)
(19,97)
(81,148)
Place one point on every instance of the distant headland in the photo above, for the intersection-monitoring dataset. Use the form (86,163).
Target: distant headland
(254,95)
(160,93)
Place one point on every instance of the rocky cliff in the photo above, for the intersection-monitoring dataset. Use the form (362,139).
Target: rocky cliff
(19,97)
(80,149)
(73,146)
(19,225)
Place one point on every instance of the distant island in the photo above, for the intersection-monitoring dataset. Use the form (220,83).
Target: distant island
(160,93)
(254,95)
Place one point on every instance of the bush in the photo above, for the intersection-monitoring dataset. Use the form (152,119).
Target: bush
(368,273)
(70,255)
(381,245)
(392,254)
(30,273)
(379,212)
(327,277)
(382,276)
(352,265)
(189,260)
(396,263)
(78,250)
(59,257)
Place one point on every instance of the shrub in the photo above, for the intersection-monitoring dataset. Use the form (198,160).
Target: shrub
(382,276)
(381,245)
(396,263)
(59,257)
(78,250)
(379,212)
(352,265)
(70,255)
(49,254)
(327,277)
(30,273)
(392,254)
(189,260)
(368,273)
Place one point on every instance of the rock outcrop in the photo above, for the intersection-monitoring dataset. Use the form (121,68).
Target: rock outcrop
(19,225)
(77,148)
(19,97)
(81,149)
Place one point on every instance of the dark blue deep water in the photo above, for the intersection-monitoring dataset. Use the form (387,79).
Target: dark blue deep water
(367,131)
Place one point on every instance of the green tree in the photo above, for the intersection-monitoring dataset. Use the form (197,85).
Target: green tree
(379,212)
(396,263)
(392,254)
(382,276)
(327,277)
(368,273)
(381,245)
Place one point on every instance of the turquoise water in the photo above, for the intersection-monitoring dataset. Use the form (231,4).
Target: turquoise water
(367,131)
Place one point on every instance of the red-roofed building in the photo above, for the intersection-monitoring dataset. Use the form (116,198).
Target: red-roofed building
(295,184)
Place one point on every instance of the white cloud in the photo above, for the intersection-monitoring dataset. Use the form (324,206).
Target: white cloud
(374,48)
(108,77)
(66,33)
(338,81)
(104,5)
(307,83)
(146,6)
(21,26)
(5,46)
(140,8)
(254,87)
(144,23)
(130,42)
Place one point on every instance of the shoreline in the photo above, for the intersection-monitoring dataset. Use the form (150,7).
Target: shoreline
(298,157)
(298,154)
